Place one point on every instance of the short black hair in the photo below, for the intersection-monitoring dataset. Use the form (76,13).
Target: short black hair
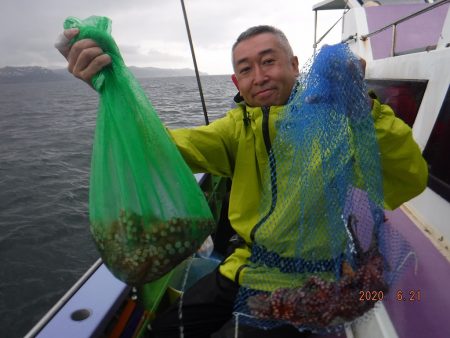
(256,30)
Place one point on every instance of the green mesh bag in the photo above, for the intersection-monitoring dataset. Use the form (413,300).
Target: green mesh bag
(146,210)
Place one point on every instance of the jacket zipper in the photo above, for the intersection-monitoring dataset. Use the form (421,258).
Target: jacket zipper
(273,179)
(272,166)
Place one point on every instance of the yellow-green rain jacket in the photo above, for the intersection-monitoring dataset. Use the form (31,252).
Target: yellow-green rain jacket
(236,146)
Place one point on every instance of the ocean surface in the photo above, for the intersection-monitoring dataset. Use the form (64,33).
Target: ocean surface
(46,133)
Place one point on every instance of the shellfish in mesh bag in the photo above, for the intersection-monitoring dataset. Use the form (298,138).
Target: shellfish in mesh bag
(322,237)
(147,212)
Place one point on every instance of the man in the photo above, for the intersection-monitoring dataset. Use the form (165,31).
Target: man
(237,146)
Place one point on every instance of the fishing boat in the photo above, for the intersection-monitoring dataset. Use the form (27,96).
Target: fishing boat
(406,47)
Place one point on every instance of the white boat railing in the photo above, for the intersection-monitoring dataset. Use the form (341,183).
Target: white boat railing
(63,300)
(394,25)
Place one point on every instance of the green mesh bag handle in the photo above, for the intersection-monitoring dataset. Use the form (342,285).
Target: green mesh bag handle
(146,211)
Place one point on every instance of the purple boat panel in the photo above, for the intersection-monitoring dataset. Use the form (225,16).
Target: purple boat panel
(419,304)
(418,32)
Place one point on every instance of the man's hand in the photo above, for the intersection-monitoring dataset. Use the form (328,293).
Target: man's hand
(85,57)
(363,65)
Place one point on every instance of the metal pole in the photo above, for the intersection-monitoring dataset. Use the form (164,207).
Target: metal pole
(315,33)
(199,84)
(394,39)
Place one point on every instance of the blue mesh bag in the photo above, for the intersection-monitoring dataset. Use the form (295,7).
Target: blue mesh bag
(322,239)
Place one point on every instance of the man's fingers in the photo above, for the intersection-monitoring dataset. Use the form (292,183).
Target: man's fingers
(357,68)
(96,64)
(84,58)
(76,52)
(62,42)
(71,33)
(363,65)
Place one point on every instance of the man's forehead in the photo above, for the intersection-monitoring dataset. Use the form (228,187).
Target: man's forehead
(247,57)
(257,45)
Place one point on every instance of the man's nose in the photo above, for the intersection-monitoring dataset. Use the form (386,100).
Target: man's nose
(260,76)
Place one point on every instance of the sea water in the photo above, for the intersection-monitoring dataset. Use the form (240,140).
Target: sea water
(46,134)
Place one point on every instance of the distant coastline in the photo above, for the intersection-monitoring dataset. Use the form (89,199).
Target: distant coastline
(41,74)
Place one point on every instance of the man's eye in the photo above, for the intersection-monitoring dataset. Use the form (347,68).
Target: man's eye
(268,61)
(244,70)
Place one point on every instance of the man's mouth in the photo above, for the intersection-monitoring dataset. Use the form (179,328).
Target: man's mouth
(264,93)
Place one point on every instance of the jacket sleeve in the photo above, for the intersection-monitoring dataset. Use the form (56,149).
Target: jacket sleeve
(405,171)
(208,149)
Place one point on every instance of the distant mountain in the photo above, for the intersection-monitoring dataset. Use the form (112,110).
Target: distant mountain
(28,74)
(143,72)
(41,74)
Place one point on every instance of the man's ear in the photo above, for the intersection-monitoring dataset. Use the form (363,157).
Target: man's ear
(294,63)
(235,81)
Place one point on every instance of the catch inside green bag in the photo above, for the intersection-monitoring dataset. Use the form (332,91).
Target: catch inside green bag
(146,211)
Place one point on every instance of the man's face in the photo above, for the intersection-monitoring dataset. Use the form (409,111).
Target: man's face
(264,70)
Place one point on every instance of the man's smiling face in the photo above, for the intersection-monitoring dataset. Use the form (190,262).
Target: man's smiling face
(264,70)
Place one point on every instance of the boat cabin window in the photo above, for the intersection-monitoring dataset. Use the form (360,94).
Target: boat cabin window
(403,96)
(437,152)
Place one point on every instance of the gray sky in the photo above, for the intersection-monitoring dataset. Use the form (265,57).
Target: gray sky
(152,32)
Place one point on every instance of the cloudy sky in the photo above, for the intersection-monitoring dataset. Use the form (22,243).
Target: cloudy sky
(152,32)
